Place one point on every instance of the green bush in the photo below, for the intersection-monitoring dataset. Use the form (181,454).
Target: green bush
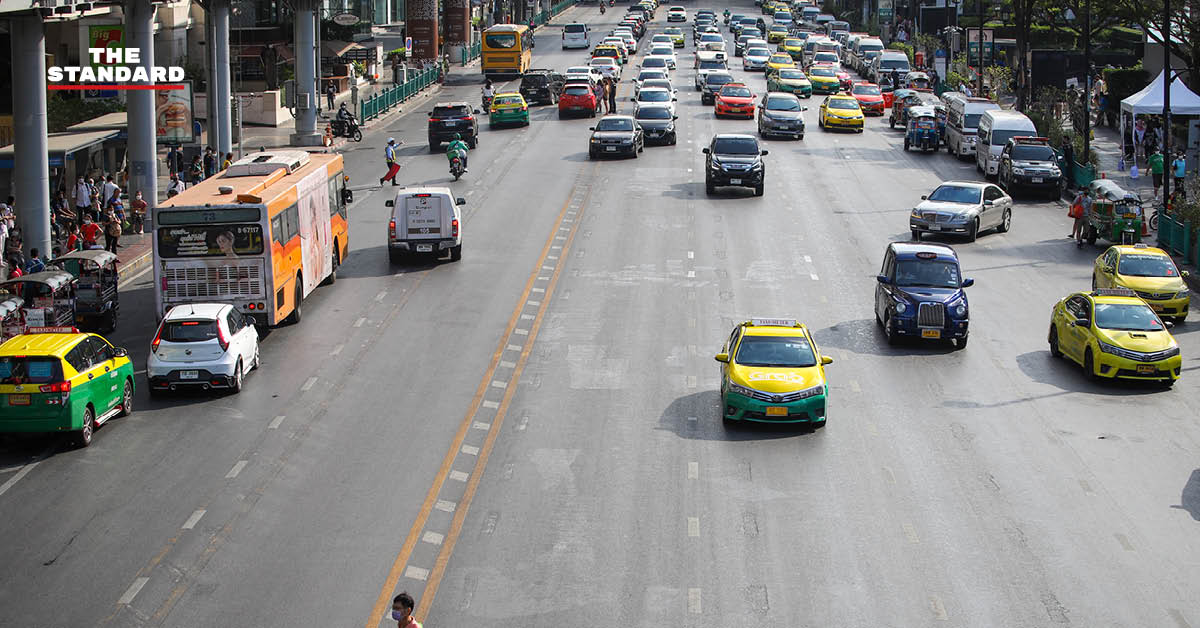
(1123,83)
(62,112)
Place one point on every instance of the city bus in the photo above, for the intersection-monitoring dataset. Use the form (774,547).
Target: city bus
(507,49)
(260,235)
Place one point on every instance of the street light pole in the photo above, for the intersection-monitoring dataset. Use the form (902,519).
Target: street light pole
(1168,170)
(979,43)
(1087,82)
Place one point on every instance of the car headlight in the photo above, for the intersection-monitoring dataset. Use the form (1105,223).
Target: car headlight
(960,310)
(1055,172)
(1107,348)
(741,390)
(957,218)
(810,392)
(1181,294)
(595,140)
(901,307)
(628,140)
(756,166)
(1018,170)
(1173,351)
(916,213)
(716,165)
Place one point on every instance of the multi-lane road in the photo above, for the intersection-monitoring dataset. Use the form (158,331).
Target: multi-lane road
(531,436)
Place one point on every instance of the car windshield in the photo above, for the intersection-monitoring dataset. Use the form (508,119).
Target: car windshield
(652,74)
(735,146)
(718,79)
(577,90)
(919,273)
(1033,153)
(1146,265)
(790,74)
(825,57)
(712,65)
(826,72)
(776,351)
(866,90)
(654,62)
(674,31)
(535,80)
(1127,317)
(792,43)
(662,50)
(654,95)
(781,59)
(615,124)
(780,103)
(663,83)
(654,113)
(736,92)
(500,40)
(893,64)
(758,52)
(843,103)
(29,370)
(575,28)
(448,112)
(189,331)
(956,194)
(579,69)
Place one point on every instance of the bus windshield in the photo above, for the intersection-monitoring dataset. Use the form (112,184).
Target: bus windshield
(500,40)
(210,240)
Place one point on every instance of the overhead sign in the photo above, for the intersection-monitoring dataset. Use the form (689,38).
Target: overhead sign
(345,19)
(885,13)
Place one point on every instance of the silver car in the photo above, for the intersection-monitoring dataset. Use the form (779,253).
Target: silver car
(962,208)
(755,58)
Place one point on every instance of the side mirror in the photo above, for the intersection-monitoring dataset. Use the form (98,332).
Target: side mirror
(764,152)
(1184,273)
(478,111)
(389,203)
(803,108)
(826,360)
(591,128)
(677,117)
(1082,322)
(120,352)
(883,279)
(968,282)
(704,150)
(722,357)
(989,203)
(674,100)
(1168,324)
(924,197)
(632,100)
(460,201)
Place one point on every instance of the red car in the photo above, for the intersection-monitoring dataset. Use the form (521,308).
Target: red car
(734,99)
(869,97)
(578,98)
(844,79)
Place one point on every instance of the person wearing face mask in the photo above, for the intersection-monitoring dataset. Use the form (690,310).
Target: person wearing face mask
(138,207)
(402,608)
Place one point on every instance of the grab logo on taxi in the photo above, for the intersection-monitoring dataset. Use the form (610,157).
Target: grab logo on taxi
(775,376)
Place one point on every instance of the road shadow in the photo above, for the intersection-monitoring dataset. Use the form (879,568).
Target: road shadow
(864,336)
(1066,375)
(1189,500)
(698,417)
(374,262)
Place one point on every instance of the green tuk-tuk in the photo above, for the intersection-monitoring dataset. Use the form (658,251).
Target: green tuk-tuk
(97,300)
(1116,214)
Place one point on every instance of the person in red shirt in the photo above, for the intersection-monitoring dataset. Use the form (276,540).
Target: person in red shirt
(402,608)
(91,232)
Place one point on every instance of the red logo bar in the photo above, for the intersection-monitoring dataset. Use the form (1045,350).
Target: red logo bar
(99,86)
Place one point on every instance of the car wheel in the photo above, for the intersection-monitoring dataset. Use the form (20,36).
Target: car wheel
(891,122)
(127,399)
(473,142)
(916,235)
(906,144)
(1089,365)
(758,189)
(297,313)
(394,256)
(591,154)
(971,237)
(960,343)
(257,360)
(236,385)
(1005,222)
(1091,236)
(1055,193)
(709,188)
(888,333)
(455,253)
(83,438)
(800,137)
(1052,338)
(433,146)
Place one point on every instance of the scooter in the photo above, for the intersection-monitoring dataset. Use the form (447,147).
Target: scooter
(456,168)
(346,128)
(487,102)
(602,8)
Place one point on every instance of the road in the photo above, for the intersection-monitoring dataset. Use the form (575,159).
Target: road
(530,436)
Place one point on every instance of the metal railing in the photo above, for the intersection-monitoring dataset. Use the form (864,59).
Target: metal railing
(384,100)
(1175,236)
(545,16)
(472,52)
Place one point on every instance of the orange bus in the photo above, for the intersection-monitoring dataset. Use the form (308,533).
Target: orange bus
(260,235)
(507,49)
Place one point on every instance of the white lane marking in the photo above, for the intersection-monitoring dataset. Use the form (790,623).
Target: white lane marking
(1083,484)
(445,506)
(539,290)
(544,267)
(194,519)
(691,274)
(470,450)
(694,601)
(691,381)
(140,372)
(556,246)
(911,533)
(129,280)
(382,293)
(237,468)
(527,317)
(543,279)
(460,476)
(359,322)
(274,425)
(512,348)
(534,303)
(480,425)
(1124,541)
(337,350)
(814,276)
(891,477)
(17,478)
(694,527)
(491,404)
(874,431)
(521,332)
(524,423)
(551,257)
(432,538)
(416,573)
(499,384)
(939,609)
(807,259)
(307,386)
(693,470)
(691,419)
(691,255)
(133,590)
(854,386)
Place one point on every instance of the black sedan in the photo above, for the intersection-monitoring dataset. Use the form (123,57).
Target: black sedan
(657,122)
(780,114)
(616,135)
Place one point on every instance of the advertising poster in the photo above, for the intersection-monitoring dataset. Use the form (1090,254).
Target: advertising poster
(104,36)
(316,242)
(173,115)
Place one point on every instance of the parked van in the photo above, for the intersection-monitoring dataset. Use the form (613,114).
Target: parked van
(962,121)
(995,128)
(887,61)
(576,36)
(831,28)
(425,220)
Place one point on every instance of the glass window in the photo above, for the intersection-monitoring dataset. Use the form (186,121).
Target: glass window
(500,40)
(1141,265)
(866,90)
(30,370)
(843,103)
(189,331)
(955,194)
(103,351)
(76,360)
(292,221)
(277,229)
(735,146)
(790,74)
(334,197)
(776,351)
(654,113)
(736,91)
(1127,316)
(1032,153)
(926,273)
(780,103)
(210,240)
(615,124)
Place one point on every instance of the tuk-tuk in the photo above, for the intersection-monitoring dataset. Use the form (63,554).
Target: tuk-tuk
(917,80)
(901,98)
(1116,215)
(11,320)
(922,130)
(49,298)
(97,301)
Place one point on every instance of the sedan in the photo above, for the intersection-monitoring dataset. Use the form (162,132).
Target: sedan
(755,59)
(658,82)
(657,122)
(616,135)
(676,14)
(962,208)
(869,97)
(656,95)
(840,111)
(676,35)
(792,81)
(607,66)
(202,345)
(780,114)
(662,63)
(665,52)
(735,100)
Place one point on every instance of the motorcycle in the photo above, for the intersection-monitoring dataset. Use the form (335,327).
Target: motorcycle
(456,168)
(612,3)
(487,102)
(601,9)
(346,128)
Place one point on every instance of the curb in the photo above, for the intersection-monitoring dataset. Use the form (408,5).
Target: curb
(133,267)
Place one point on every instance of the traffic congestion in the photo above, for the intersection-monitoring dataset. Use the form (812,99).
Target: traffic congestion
(616,189)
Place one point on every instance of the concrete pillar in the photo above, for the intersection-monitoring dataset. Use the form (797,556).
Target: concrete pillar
(143,154)
(458,24)
(221,131)
(210,101)
(422,24)
(31,168)
(306,68)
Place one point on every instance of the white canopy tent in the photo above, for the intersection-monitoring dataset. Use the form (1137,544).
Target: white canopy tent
(1184,102)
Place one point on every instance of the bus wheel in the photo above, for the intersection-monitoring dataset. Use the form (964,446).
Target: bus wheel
(332,278)
(296,314)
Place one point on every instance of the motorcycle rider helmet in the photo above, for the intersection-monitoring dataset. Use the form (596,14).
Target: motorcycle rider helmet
(391,140)
(458,136)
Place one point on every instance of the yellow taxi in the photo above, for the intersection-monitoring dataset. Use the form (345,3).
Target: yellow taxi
(772,371)
(1113,334)
(508,108)
(57,380)
(607,50)
(676,34)
(840,111)
(776,33)
(779,61)
(1149,272)
(793,47)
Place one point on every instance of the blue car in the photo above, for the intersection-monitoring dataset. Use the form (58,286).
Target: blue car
(920,294)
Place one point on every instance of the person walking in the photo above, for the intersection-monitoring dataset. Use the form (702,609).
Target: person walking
(612,96)
(174,160)
(330,92)
(210,162)
(83,196)
(1081,209)
(1179,171)
(138,209)
(195,172)
(389,156)
(402,608)
(112,231)
(1155,161)
(117,207)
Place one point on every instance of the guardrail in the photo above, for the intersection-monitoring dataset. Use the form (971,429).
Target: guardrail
(384,100)
(472,52)
(545,16)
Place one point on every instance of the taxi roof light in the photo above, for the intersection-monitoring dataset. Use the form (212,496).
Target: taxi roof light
(52,330)
(1141,245)
(1114,292)
(774,322)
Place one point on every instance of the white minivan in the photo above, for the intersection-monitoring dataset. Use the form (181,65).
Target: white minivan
(995,129)
(425,220)
(962,120)
(576,36)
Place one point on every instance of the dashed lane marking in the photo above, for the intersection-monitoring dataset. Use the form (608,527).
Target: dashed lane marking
(694,601)
(194,519)
(693,527)
(237,469)
(693,471)
(133,590)
(308,384)
(274,424)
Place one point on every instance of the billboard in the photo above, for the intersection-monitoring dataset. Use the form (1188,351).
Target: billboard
(104,36)
(173,115)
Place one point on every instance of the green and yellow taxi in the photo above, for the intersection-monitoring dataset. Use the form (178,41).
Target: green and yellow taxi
(57,380)
(840,111)
(508,108)
(777,62)
(793,47)
(609,50)
(790,80)
(772,371)
(824,79)
(676,34)
(776,33)
(1113,334)
(1149,272)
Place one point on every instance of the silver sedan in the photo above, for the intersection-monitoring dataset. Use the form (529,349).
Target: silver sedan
(962,208)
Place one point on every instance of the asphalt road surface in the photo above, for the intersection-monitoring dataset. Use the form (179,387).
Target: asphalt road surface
(530,437)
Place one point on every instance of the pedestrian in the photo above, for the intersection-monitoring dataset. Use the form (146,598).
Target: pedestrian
(138,209)
(74,239)
(210,162)
(90,232)
(174,160)
(35,263)
(330,92)
(227,161)
(15,265)
(1179,170)
(402,608)
(106,190)
(175,186)
(195,171)
(117,207)
(895,79)
(97,206)
(1155,161)
(612,95)
(1081,210)
(1139,139)
(83,195)
(389,156)
(112,231)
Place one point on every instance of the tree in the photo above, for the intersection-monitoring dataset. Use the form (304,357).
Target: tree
(1185,31)
(1023,12)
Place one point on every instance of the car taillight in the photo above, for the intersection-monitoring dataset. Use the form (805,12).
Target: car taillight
(434,120)
(392,229)
(454,228)
(224,342)
(58,387)
(157,338)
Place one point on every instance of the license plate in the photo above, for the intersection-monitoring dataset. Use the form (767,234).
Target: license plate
(1036,179)
(735,182)
(1146,368)
(1156,307)
(931,333)
(424,248)
(777,411)
(189,374)
(610,149)
(935,227)
(18,400)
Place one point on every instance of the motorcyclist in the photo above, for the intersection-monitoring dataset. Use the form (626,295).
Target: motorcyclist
(343,113)
(601,8)
(488,93)
(457,148)
(726,16)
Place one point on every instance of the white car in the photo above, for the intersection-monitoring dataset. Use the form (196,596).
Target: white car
(657,82)
(607,66)
(713,37)
(665,53)
(630,40)
(650,74)
(619,42)
(828,58)
(656,96)
(755,58)
(653,62)
(202,345)
(662,39)
(583,73)
(677,14)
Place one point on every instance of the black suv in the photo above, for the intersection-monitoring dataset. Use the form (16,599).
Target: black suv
(450,118)
(734,159)
(1030,163)
(542,86)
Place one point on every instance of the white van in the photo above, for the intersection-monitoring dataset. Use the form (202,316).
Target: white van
(861,48)
(576,36)
(962,120)
(887,61)
(995,128)
(425,220)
